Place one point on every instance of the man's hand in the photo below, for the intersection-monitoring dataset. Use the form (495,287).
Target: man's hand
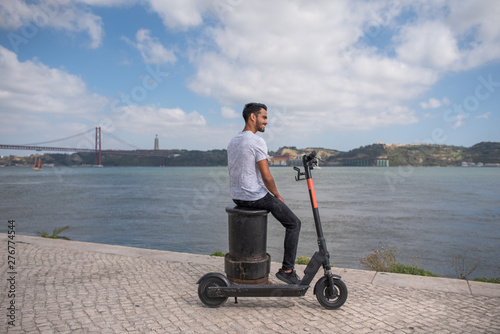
(280,198)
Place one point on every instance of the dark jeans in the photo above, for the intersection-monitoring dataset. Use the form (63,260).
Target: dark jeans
(286,217)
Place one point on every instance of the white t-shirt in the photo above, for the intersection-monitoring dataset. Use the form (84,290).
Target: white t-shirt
(243,153)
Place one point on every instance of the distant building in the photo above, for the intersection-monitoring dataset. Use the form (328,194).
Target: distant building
(371,162)
(280,160)
(157,143)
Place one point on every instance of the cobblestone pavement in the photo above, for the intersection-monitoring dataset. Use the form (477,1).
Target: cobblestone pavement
(110,289)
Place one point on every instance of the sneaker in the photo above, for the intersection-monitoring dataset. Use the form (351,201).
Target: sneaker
(290,278)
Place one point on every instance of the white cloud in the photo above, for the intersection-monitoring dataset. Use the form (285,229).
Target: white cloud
(152,51)
(451,35)
(32,87)
(323,61)
(476,25)
(106,3)
(180,14)
(62,15)
(163,121)
(175,127)
(13,124)
(429,44)
(227,112)
(486,115)
(459,122)
(434,103)
(261,53)
(39,103)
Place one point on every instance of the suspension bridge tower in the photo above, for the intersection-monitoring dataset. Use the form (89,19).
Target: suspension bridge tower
(97,159)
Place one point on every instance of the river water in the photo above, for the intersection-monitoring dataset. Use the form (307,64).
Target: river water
(429,214)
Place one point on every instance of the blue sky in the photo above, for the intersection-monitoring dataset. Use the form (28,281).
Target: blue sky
(334,74)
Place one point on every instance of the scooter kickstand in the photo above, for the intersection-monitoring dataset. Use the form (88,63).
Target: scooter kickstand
(236,300)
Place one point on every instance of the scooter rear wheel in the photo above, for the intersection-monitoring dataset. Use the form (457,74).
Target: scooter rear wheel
(211,281)
(326,298)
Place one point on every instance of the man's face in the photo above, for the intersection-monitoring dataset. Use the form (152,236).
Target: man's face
(261,120)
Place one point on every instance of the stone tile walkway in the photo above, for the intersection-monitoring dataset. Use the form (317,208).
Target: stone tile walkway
(75,287)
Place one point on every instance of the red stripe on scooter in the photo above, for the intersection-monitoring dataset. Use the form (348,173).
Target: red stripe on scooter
(313,194)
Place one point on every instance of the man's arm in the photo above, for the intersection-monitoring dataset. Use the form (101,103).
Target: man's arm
(268,179)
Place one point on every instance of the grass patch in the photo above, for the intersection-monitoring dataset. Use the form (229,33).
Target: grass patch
(411,269)
(302,260)
(55,233)
(218,253)
(386,260)
(487,280)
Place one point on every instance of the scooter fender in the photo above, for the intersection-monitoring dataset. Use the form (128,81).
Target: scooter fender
(335,277)
(219,275)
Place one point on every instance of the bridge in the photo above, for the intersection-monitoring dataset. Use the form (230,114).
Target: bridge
(97,150)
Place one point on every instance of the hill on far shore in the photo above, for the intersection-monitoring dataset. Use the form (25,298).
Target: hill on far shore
(398,155)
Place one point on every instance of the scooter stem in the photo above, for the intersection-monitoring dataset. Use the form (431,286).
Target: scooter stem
(307,161)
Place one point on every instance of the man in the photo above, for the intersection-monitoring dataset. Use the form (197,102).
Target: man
(251,183)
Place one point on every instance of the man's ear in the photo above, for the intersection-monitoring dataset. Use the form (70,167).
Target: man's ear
(253,117)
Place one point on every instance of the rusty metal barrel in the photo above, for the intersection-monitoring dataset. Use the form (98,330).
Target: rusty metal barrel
(247,261)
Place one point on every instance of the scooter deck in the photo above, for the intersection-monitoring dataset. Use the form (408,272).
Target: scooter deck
(249,290)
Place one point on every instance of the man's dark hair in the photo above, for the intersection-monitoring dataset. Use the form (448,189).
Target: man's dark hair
(252,108)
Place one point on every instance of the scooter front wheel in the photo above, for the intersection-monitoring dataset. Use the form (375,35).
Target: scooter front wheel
(207,282)
(328,299)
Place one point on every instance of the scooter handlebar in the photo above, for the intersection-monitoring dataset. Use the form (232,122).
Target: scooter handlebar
(311,156)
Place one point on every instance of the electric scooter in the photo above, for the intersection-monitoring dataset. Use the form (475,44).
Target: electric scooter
(331,292)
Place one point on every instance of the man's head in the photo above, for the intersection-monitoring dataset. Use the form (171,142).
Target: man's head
(252,108)
(255,116)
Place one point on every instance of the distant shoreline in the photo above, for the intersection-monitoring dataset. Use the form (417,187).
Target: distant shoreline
(484,154)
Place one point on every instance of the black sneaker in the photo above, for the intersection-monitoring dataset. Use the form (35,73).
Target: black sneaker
(290,278)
